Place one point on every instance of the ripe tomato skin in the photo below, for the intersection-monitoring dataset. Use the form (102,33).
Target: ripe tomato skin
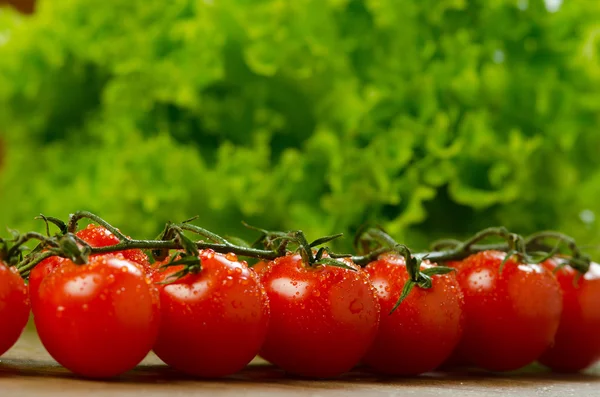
(98,320)
(213,323)
(432,316)
(259,266)
(511,316)
(99,236)
(577,342)
(14,306)
(39,273)
(94,235)
(323,318)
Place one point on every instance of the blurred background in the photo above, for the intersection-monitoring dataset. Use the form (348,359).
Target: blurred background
(431,118)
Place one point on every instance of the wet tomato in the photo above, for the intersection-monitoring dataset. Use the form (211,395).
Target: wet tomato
(99,236)
(14,306)
(577,342)
(39,273)
(214,322)
(424,330)
(323,318)
(94,235)
(259,266)
(98,320)
(511,314)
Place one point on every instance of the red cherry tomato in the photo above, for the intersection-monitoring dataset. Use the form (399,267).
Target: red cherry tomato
(577,342)
(213,323)
(323,318)
(14,306)
(98,320)
(433,317)
(99,236)
(511,315)
(94,235)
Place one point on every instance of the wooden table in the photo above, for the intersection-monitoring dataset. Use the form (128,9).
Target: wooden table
(27,370)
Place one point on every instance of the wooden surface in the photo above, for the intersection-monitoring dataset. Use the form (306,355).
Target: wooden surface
(27,370)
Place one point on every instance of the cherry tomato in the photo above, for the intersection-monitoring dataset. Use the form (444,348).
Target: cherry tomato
(96,236)
(14,306)
(98,320)
(424,330)
(99,236)
(213,323)
(511,315)
(323,318)
(577,342)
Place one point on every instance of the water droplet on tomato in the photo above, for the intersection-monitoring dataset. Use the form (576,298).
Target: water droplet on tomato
(356,306)
(124,269)
(231,257)
(85,307)
(316,293)
(59,311)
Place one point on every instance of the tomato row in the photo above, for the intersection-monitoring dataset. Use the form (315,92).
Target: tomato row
(101,319)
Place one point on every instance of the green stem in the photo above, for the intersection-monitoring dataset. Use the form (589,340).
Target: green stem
(364,260)
(26,267)
(382,237)
(203,232)
(443,244)
(460,250)
(538,238)
(74,218)
(305,248)
(23,238)
(172,244)
(501,232)
(459,253)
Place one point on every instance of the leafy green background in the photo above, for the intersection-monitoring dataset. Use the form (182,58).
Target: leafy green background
(431,118)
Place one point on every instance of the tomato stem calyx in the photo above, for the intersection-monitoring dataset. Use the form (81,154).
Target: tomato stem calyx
(417,276)
(369,242)
(66,244)
(192,264)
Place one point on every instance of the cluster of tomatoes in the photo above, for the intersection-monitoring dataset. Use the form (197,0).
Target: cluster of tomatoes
(102,318)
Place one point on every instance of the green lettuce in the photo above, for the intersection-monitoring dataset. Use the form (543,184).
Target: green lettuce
(431,119)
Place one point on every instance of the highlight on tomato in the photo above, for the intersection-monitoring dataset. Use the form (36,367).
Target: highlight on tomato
(214,320)
(324,318)
(98,320)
